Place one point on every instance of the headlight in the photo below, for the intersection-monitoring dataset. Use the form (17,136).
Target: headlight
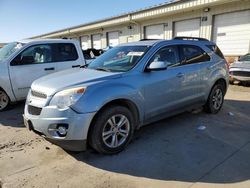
(68,97)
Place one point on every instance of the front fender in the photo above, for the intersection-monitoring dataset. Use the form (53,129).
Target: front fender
(97,97)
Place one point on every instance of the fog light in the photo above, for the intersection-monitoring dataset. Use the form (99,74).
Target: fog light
(62,130)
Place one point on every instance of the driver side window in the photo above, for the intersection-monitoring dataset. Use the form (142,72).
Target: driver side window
(168,55)
(34,55)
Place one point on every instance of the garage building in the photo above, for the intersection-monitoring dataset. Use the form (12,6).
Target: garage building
(227,22)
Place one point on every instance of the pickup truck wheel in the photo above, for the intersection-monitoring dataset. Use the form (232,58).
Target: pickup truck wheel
(215,99)
(4,100)
(112,130)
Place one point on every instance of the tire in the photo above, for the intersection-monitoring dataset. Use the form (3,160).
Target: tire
(4,101)
(105,135)
(216,99)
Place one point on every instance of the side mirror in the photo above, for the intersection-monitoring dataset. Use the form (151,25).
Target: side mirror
(27,60)
(157,66)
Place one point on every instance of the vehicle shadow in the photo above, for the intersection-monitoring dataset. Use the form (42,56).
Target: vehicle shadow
(12,117)
(190,147)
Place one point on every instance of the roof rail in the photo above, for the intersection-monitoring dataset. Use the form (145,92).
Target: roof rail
(190,38)
(148,39)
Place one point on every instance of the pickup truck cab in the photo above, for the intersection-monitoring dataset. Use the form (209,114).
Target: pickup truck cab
(25,61)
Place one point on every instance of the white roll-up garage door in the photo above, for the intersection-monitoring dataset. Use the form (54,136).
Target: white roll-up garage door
(154,32)
(84,42)
(231,32)
(96,41)
(113,38)
(187,28)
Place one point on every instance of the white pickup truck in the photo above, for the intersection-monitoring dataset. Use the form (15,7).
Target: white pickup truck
(23,62)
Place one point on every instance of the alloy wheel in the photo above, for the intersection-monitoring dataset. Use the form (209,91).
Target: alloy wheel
(116,131)
(217,99)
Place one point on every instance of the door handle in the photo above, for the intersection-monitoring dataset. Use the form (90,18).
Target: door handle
(180,75)
(74,66)
(48,69)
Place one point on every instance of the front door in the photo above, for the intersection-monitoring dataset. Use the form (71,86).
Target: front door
(161,86)
(32,63)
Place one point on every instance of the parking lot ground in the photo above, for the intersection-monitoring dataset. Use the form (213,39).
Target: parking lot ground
(193,149)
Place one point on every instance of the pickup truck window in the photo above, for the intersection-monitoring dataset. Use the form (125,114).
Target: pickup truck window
(119,59)
(47,53)
(65,52)
(34,55)
(9,49)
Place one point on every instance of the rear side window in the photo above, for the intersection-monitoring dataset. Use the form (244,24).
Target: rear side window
(216,50)
(65,52)
(191,54)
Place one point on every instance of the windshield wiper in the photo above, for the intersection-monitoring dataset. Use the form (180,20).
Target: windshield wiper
(103,69)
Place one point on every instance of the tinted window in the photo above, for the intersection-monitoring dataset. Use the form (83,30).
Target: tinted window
(193,54)
(216,50)
(34,55)
(167,54)
(66,52)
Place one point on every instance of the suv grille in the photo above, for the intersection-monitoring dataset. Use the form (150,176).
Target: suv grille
(240,73)
(34,110)
(38,94)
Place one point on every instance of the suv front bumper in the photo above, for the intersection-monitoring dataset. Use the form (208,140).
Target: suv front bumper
(50,117)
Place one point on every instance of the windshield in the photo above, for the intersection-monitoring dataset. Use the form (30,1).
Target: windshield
(119,59)
(245,58)
(9,49)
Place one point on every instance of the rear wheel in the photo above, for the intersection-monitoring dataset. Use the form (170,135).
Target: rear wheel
(4,100)
(112,130)
(216,99)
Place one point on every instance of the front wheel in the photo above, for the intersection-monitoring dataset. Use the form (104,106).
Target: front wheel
(4,100)
(112,130)
(215,99)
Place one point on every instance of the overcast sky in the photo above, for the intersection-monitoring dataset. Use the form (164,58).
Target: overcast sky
(26,18)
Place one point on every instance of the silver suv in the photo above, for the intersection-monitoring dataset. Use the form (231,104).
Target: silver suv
(131,85)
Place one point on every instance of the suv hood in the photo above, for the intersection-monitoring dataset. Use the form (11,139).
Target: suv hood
(55,82)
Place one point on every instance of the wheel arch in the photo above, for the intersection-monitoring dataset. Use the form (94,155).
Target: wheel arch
(118,102)
(221,81)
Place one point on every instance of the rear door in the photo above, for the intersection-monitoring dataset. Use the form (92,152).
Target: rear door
(32,63)
(190,74)
(66,56)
